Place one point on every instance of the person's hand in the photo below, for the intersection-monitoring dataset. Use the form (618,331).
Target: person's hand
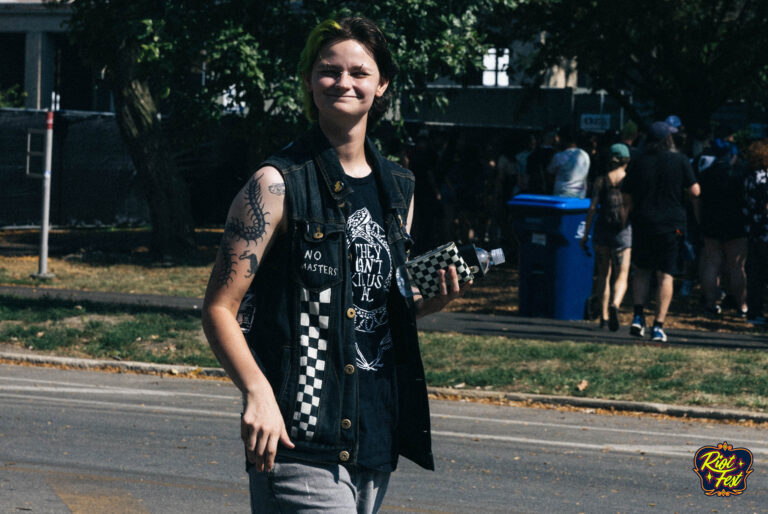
(262,429)
(450,289)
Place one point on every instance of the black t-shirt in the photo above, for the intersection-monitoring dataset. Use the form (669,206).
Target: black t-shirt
(658,183)
(536,170)
(722,200)
(371,280)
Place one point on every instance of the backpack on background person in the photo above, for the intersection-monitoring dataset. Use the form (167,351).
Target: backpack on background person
(612,206)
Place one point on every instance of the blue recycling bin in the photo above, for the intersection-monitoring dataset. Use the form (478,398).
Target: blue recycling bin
(555,273)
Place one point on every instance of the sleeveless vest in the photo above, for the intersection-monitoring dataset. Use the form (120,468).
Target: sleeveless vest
(299,316)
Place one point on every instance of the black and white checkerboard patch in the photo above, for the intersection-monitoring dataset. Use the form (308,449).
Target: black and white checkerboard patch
(313,337)
(423,270)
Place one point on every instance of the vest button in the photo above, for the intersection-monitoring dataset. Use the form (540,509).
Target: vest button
(344,456)
(351,313)
(346,424)
(338,186)
(318,235)
(349,369)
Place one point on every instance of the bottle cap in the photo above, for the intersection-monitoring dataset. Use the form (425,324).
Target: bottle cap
(497,256)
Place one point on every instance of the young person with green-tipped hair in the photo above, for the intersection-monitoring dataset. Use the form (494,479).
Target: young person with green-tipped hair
(309,308)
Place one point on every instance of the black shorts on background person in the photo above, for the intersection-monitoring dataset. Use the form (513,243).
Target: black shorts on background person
(657,187)
(659,252)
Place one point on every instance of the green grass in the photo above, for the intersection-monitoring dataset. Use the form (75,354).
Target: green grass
(689,376)
(697,376)
(105,331)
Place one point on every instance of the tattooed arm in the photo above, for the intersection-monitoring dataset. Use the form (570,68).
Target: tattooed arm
(253,221)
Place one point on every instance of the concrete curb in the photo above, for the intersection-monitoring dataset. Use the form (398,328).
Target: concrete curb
(594,403)
(139,367)
(681,411)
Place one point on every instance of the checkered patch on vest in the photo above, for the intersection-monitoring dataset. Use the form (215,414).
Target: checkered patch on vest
(313,336)
(423,270)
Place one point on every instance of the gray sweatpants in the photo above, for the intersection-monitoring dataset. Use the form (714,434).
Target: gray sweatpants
(303,488)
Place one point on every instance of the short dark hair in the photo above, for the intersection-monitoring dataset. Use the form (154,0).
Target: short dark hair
(615,161)
(666,144)
(359,29)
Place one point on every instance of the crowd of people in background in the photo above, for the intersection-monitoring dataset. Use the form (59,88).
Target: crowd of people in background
(664,176)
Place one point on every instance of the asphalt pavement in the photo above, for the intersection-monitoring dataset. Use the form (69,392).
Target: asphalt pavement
(83,441)
(467,323)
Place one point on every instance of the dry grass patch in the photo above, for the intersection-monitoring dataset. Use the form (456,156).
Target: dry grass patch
(185,281)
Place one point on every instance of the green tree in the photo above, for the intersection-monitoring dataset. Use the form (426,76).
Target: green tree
(687,57)
(12,97)
(167,64)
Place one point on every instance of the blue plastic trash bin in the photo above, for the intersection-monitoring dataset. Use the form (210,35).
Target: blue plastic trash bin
(555,273)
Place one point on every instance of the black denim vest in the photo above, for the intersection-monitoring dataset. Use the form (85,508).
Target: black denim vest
(301,331)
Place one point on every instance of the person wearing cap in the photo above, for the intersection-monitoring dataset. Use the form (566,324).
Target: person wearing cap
(658,187)
(679,134)
(612,238)
(674,122)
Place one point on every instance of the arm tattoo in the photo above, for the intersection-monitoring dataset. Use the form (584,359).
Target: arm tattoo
(226,270)
(277,189)
(257,222)
(253,262)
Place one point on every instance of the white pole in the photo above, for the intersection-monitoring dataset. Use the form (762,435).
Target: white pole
(43,268)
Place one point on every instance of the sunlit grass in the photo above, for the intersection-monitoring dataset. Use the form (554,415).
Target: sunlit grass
(104,331)
(701,376)
(179,280)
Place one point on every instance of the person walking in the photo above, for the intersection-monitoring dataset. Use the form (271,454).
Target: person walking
(756,212)
(569,167)
(657,188)
(612,238)
(308,307)
(723,226)
(537,181)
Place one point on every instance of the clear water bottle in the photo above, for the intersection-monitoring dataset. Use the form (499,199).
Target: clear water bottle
(480,261)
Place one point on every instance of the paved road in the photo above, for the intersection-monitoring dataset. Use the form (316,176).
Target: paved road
(86,441)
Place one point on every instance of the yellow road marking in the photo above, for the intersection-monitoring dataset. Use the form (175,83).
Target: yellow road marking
(416,511)
(90,498)
(82,477)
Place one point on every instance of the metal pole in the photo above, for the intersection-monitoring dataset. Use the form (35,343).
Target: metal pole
(43,268)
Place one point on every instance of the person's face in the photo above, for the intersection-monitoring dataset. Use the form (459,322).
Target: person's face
(345,80)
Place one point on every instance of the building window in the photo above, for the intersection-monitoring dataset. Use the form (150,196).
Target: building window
(495,64)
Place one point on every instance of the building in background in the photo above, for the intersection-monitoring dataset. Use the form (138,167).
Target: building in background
(38,59)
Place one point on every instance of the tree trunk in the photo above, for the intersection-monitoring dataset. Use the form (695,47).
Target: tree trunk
(165,190)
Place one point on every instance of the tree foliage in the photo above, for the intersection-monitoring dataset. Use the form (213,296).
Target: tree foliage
(688,57)
(172,61)
(12,97)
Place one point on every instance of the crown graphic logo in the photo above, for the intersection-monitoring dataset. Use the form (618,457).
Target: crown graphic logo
(723,469)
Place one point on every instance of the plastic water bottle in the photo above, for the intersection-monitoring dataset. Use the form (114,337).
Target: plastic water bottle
(480,261)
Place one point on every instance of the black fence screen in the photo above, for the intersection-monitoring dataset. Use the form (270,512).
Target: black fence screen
(93,179)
